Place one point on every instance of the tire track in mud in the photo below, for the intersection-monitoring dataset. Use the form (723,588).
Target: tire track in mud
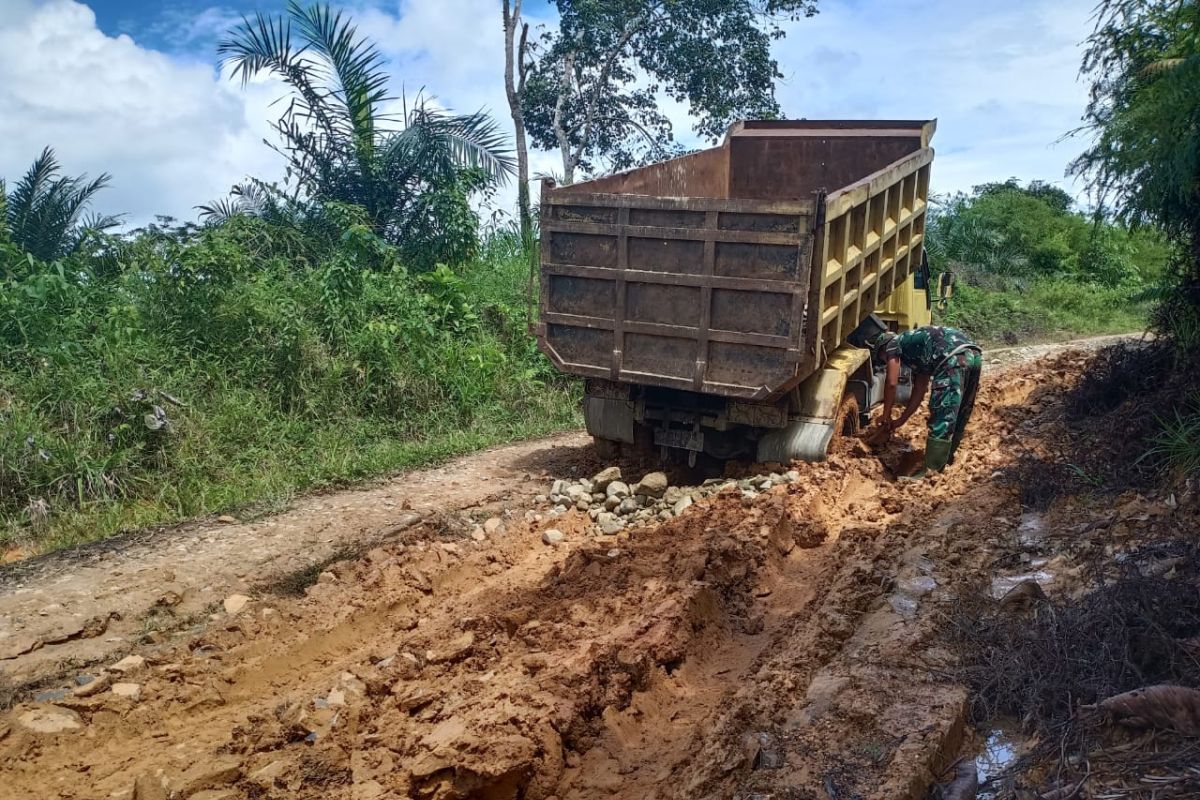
(744,649)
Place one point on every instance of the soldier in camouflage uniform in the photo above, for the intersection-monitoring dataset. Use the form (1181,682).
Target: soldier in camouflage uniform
(949,360)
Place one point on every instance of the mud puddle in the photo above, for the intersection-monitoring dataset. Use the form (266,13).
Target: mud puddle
(1001,749)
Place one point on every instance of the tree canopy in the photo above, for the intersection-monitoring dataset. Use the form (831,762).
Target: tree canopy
(412,171)
(1013,231)
(1144,63)
(1144,162)
(593,91)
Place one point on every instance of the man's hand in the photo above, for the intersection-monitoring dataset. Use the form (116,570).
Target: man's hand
(881,434)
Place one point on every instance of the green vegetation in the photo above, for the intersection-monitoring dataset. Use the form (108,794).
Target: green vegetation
(590,87)
(352,322)
(1029,267)
(593,88)
(190,370)
(1143,59)
(46,213)
(413,183)
(1042,311)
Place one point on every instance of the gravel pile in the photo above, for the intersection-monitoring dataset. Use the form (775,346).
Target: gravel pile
(614,504)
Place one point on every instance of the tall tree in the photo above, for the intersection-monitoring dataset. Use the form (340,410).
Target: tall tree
(1143,59)
(46,214)
(594,89)
(516,73)
(413,174)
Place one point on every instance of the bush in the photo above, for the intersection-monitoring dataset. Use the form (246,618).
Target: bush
(1030,267)
(245,361)
(1042,309)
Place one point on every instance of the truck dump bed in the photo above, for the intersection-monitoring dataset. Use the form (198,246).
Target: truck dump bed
(736,270)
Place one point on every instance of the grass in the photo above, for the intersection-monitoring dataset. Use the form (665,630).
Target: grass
(275,376)
(1044,310)
(275,471)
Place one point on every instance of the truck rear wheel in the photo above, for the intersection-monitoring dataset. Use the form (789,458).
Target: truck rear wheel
(846,425)
(606,449)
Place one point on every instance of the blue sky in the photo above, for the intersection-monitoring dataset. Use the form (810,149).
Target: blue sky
(186,27)
(131,86)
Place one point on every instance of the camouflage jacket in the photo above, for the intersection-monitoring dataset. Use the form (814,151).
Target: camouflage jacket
(924,349)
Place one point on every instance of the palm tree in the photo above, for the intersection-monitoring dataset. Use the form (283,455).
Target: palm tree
(340,145)
(45,214)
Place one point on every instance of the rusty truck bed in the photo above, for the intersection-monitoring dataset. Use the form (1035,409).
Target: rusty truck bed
(736,270)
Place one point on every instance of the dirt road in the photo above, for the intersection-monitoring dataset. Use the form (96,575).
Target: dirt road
(769,644)
(91,602)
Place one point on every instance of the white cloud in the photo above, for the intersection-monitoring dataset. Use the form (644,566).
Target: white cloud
(453,51)
(171,132)
(1001,79)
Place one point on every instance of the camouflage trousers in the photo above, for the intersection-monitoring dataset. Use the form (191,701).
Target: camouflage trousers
(952,396)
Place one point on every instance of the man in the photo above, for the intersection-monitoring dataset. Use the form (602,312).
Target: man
(945,357)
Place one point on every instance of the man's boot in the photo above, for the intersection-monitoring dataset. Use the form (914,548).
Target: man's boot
(937,454)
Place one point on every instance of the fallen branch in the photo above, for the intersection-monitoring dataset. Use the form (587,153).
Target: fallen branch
(1173,708)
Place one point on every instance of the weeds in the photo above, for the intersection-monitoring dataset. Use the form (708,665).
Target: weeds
(1152,389)
(1178,443)
(235,366)
(1117,373)
(1050,668)
(1041,309)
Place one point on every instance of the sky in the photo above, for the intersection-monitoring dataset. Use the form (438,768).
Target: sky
(132,88)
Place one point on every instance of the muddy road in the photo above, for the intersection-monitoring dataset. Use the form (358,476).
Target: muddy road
(780,642)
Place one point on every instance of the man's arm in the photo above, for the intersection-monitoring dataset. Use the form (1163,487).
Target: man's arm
(919,387)
(889,392)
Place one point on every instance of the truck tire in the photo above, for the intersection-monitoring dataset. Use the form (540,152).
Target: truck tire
(846,426)
(606,449)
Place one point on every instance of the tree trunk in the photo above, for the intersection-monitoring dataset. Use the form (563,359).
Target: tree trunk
(514,85)
(560,130)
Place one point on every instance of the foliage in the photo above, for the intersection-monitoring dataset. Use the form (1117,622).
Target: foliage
(1143,59)
(594,88)
(1177,443)
(45,214)
(1042,309)
(413,175)
(1028,266)
(225,365)
(1144,62)
(1009,231)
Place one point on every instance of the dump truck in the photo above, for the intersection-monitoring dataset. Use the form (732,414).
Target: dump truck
(709,302)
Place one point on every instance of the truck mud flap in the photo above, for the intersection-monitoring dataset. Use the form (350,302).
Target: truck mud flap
(805,439)
(608,418)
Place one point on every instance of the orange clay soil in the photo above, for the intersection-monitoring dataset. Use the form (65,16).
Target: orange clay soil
(779,646)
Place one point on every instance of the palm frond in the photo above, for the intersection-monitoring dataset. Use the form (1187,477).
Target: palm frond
(264,44)
(341,149)
(353,65)
(444,141)
(220,211)
(27,193)
(45,210)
